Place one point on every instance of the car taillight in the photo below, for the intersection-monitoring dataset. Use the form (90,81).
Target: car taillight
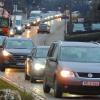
(5,30)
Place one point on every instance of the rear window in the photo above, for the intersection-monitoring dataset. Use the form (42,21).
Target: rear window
(19,44)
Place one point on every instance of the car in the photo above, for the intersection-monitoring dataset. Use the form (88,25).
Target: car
(43,28)
(2,43)
(16,51)
(27,26)
(72,67)
(34,67)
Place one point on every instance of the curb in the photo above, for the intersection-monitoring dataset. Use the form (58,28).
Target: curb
(33,93)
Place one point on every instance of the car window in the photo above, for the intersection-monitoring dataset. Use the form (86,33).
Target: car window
(96,26)
(55,51)
(80,54)
(1,40)
(78,27)
(50,52)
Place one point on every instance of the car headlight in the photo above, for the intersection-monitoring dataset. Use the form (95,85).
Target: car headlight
(19,27)
(38,66)
(28,24)
(6,53)
(65,73)
(38,19)
(11,32)
(34,22)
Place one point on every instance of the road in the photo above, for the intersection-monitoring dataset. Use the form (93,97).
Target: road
(56,33)
(17,76)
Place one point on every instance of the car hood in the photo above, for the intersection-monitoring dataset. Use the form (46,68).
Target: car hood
(40,60)
(80,67)
(19,51)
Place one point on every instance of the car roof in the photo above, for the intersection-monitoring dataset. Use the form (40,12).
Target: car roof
(43,24)
(43,46)
(17,38)
(74,43)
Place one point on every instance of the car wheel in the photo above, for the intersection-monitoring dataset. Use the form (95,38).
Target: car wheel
(32,80)
(27,77)
(2,69)
(57,90)
(46,88)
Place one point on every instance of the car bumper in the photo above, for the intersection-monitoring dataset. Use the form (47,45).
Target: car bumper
(37,74)
(19,31)
(81,86)
(13,64)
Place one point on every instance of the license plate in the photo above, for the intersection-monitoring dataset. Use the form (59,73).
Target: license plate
(88,83)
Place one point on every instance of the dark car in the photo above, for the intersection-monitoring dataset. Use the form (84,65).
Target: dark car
(44,28)
(34,67)
(27,26)
(16,51)
(2,44)
(73,67)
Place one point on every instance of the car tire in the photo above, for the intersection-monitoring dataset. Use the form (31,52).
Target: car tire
(57,90)
(46,88)
(27,77)
(2,69)
(32,80)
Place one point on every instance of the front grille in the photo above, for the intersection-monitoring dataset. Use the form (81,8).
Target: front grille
(86,75)
(19,58)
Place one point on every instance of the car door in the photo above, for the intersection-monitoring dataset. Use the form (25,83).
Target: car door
(51,64)
(33,53)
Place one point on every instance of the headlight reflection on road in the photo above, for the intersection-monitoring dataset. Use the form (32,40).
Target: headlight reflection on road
(71,95)
(11,71)
(28,33)
(8,71)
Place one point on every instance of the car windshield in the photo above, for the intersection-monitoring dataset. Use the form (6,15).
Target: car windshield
(18,22)
(80,54)
(41,52)
(19,44)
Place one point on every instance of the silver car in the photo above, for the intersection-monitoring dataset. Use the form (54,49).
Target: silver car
(34,67)
(73,67)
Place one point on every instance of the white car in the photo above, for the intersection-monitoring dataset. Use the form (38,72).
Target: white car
(34,67)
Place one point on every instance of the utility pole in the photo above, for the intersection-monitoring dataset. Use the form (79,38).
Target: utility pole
(65,20)
(68,26)
(70,17)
